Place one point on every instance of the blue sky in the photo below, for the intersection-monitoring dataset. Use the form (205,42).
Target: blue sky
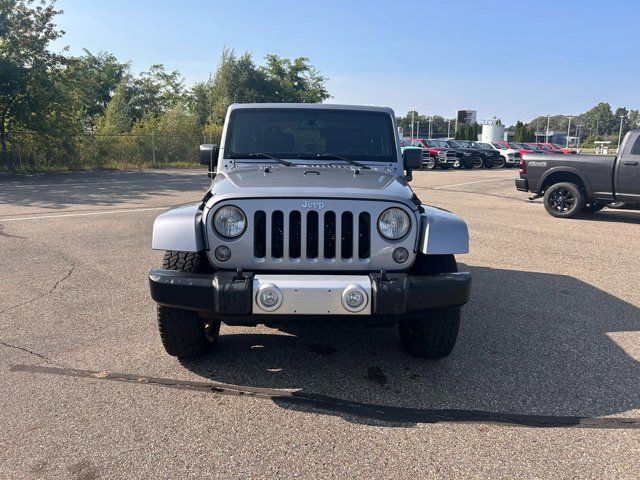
(512,59)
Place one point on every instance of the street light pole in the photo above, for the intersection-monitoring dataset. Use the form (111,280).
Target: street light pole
(456,124)
(430,123)
(568,130)
(620,133)
(412,112)
(448,128)
(546,134)
(418,129)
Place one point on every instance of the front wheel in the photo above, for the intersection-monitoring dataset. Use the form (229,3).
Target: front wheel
(430,164)
(184,334)
(563,200)
(431,333)
(501,162)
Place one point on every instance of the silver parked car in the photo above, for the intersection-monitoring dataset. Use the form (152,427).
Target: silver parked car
(309,218)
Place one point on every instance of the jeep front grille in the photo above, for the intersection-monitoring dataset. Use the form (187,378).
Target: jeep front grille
(311,235)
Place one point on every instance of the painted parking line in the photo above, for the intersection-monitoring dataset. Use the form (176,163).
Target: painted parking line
(471,183)
(91,184)
(84,214)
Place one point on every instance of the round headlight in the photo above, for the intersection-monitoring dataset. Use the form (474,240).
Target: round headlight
(394,223)
(229,221)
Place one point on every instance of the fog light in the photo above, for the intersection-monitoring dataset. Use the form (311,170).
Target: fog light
(400,255)
(269,297)
(222,253)
(354,298)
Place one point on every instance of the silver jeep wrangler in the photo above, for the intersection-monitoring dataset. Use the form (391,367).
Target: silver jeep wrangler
(309,218)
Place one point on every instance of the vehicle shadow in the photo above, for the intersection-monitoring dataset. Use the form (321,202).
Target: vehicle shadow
(613,216)
(531,344)
(98,188)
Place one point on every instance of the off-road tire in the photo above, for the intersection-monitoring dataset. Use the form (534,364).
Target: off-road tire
(194,262)
(183,332)
(563,200)
(431,333)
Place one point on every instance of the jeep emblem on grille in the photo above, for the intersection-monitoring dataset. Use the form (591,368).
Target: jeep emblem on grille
(312,205)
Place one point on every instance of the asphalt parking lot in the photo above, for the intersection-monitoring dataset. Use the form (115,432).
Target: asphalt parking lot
(544,380)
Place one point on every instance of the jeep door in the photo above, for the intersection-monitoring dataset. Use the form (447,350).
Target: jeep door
(627,173)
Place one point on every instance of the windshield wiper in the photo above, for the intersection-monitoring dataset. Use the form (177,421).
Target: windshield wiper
(333,156)
(264,156)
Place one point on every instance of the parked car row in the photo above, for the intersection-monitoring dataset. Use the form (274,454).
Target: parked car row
(546,148)
(444,154)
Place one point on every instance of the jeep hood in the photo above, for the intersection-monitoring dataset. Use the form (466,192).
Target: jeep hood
(311,182)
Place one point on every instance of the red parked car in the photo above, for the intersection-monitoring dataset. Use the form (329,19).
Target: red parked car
(555,148)
(437,152)
(520,147)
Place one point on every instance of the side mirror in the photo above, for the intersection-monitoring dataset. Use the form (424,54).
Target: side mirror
(209,156)
(412,158)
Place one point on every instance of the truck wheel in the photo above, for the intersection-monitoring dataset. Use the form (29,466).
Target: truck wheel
(431,333)
(182,332)
(593,207)
(563,200)
(430,164)
(501,162)
(478,163)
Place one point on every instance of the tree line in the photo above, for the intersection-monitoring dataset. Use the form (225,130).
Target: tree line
(600,122)
(59,111)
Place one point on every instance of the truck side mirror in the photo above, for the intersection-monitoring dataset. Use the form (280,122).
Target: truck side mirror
(412,158)
(209,156)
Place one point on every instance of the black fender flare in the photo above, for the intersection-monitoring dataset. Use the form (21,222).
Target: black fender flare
(563,169)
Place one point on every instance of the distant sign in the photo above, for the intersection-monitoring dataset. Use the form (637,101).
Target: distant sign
(467,116)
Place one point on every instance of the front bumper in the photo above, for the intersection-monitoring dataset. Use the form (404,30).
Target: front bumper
(230,296)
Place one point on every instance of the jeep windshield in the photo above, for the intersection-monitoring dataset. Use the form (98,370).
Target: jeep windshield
(318,134)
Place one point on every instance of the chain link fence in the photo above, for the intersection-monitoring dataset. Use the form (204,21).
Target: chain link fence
(36,152)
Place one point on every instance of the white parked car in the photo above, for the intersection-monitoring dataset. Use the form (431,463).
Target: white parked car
(510,156)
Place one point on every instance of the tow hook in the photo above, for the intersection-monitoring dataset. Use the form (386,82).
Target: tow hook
(535,197)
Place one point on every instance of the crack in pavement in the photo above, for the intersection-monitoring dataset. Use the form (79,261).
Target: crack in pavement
(40,296)
(333,405)
(26,350)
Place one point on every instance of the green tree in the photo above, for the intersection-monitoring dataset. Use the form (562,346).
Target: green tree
(117,115)
(92,80)
(27,67)
(155,91)
(518,135)
(295,81)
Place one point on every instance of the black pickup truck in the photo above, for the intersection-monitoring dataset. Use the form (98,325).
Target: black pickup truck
(574,184)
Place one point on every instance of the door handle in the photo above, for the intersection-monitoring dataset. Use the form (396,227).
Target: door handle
(629,162)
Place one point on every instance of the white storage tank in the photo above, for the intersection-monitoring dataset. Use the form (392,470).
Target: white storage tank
(492,133)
